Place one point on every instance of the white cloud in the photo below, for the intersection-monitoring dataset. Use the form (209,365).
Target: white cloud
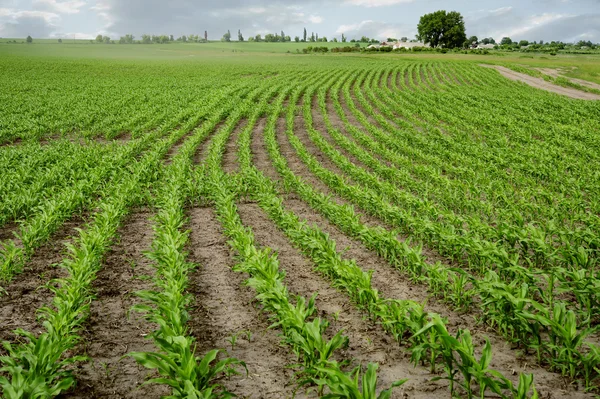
(315,19)
(533,22)
(501,10)
(75,35)
(540,19)
(375,29)
(15,15)
(61,7)
(21,23)
(376,3)
(518,25)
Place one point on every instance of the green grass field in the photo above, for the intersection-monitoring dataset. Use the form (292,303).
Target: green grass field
(233,217)
(587,66)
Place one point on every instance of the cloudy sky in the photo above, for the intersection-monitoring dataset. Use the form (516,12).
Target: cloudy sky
(566,20)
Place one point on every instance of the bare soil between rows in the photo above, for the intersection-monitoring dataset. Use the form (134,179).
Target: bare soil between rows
(26,293)
(113,330)
(226,316)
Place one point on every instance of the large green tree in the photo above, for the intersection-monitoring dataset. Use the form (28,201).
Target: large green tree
(441,28)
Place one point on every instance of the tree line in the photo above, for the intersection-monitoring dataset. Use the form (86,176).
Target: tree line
(439,29)
(153,39)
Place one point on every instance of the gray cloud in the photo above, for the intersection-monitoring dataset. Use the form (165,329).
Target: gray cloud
(183,17)
(376,29)
(559,26)
(569,28)
(534,20)
(24,23)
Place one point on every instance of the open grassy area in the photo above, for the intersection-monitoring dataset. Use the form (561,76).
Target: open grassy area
(587,67)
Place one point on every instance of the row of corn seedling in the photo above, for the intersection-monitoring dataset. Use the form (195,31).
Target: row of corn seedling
(428,335)
(39,367)
(510,307)
(302,331)
(54,211)
(180,367)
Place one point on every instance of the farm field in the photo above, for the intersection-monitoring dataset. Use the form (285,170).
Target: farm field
(279,224)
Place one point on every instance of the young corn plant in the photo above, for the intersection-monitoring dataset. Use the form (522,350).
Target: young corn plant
(590,363)
(189,376)
(566,339)
(341,385)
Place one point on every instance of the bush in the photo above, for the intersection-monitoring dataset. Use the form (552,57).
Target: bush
(311,49)
(346,49)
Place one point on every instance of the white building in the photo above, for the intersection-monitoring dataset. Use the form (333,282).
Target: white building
(409,45)
(481,46)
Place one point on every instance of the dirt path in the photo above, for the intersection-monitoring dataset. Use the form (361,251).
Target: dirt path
(540,83)
(557,73)
(112,331)
(224,307)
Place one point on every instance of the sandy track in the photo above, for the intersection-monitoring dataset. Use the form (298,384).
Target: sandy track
(539,83)
(557,73)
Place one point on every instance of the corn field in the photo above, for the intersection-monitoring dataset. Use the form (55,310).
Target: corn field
(307,226)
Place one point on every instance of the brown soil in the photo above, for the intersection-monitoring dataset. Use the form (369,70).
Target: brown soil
(393,285)
(540,83)
(397,114)
(224,307)
(230,164)
(391,123)
(301,170)
(351,118)
(360,108)
(388,79)
(300,131)
(301,280)
(8,230)
(112,331)
(123,136)
(451,78)
(405,82)
(27,292)
(368,342)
